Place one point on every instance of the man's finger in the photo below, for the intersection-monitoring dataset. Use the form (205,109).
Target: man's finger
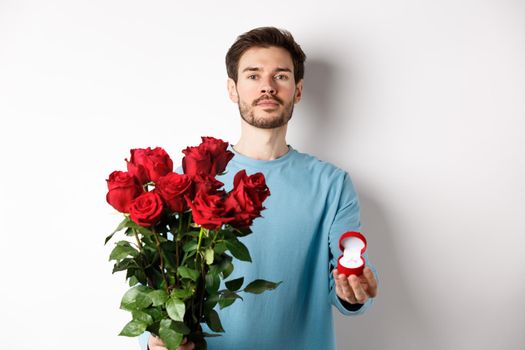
(372,282)
(155,341)
(359,292)
(338,288)
(348,294)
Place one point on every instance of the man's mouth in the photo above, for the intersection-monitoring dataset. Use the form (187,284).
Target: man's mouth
(267,102)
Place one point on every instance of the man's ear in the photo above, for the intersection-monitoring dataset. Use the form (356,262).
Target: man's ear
(232,90)
(298,91)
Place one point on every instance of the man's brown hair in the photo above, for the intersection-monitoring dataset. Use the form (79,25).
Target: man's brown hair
(265,37)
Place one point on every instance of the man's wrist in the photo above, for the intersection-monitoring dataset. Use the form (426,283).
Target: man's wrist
(348,306)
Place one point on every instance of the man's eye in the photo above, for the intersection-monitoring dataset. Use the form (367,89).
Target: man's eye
(281,77)
(253,76)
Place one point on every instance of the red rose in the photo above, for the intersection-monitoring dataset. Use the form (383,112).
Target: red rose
(123,188)
(241,207)
(206,183)
(254,185)
(208,210)
(218,150)
(172,188)
(210,157)
(146,209)
(196,161)
(149,164)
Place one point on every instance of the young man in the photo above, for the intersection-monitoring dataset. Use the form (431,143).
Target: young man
(311,204)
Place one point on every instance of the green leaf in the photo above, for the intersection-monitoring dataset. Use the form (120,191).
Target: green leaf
(140,275)
(134,328)
(238,250)
(142,316)
(211,301)
(170,258)
(241,232)
(175,308)
(122,250)
(119,227)
(125,264)
(213,321)
(259,286)
(189,246)
(158,297)
(155,313)
(235,284)
(186,272)
(209,255)
(182,293)
(133,280)
(140,229)
(220,248)
(136,298)
(180,327)
(226,267)
(228,298)
(211,335)
(212,282)
(169,335)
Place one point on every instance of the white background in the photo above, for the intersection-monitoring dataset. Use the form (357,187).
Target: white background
(422,102)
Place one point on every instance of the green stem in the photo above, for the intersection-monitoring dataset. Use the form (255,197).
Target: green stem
(215,235)
(199,245)
(177,242)
(155,234)
(203,286)
(189,221)
(139,242)
(179,233)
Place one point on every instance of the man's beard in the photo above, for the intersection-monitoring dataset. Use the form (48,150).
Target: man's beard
(248,114)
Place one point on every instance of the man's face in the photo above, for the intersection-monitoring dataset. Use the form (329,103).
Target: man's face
(266,90)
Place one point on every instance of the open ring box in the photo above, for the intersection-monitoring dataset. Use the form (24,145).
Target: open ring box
(353,245)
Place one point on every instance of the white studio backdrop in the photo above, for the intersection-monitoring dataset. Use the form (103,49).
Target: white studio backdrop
(422,102)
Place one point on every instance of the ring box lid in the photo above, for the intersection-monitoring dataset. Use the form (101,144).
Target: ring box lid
(350,237)
(353,244)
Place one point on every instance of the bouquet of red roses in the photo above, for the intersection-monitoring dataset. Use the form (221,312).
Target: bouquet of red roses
(182,233)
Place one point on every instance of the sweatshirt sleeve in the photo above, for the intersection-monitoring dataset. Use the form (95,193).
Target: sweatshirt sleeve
(347,218)
(143,341)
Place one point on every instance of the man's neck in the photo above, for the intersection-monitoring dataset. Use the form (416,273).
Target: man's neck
(262,144)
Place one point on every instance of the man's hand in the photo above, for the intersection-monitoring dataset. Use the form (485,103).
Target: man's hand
(355,289)
(155,343)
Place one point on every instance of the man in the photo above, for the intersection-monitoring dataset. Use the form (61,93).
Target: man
(311,204)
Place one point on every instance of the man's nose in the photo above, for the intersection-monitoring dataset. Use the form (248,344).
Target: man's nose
(268,87)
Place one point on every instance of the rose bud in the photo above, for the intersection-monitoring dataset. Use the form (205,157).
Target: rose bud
(218,151)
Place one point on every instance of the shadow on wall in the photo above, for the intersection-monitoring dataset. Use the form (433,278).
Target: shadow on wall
(316,101)
(393,322)
(317,104)
(326,107)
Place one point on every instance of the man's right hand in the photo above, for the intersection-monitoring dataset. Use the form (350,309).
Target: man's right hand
(155,343)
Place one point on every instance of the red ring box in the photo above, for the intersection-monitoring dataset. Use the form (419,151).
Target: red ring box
(354,240)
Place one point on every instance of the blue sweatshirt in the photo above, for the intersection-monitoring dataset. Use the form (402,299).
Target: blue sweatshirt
(312,203)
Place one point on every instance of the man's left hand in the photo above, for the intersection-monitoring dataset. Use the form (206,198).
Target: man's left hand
(355,289)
